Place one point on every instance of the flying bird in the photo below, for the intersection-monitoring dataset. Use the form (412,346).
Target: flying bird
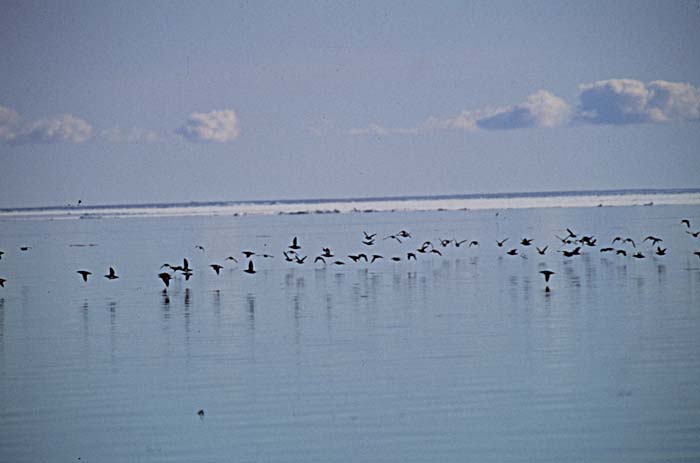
(547,274)
(501,243)
(541,251)
(84,274)
(2,282)
(654,240)
(575,252)
(638,255)
(512,252)
(686,222)
(693,234)
(660,252)
(294,244)
(369,237)
(250,268)
(375,257)
(526,241)
(248,254)
(166,277)
(111,275)
(216,267)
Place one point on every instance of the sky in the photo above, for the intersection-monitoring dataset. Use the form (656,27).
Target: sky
(142,102)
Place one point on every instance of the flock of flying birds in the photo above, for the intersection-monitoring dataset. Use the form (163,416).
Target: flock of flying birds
(571,245)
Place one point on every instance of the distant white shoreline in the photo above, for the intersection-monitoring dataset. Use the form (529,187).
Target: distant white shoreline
(493,202)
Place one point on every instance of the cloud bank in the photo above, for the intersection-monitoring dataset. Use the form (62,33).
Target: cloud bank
(215,126)
(627,101)
(611,102)
(62,128)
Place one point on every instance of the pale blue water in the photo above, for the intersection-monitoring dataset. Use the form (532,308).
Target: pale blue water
(459,358)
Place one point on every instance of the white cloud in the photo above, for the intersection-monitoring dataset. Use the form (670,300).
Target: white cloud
(217,126)
(541,109)
(613,101)
(62,128)
(629,101)
(9,119)
(135,135)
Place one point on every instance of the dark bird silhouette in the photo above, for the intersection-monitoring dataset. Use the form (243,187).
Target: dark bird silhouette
(250,268)
(394,237)
(320,259)
(267,256)
(216,267)
(621,252)
(248,254)
(84,274)
(404,234)
(638,255)
(187,274)
(338,262)
(396,258)
(444,243)
(375,257)
(571,234)
(294,244)
(459,243)
(25,248)
(300,260)
(288,256)
(232,258)
(424,247)
(368,242)
(201,248)
(327,252)
(564,241)
(369,237)
(659,251)
(166,277)
(541,251)
(512,252)
(693,234)
(575,252)
(473,243)
(354,258)
(696,253)
(410,256)
(588,240)
(547,274)
(1,253)
(201,413)
(616,239)
(630,240)
(501,243)
(607,249)
(654,240)
(435,251)
(686,222)
(111,275)
(526,242)
(2,282)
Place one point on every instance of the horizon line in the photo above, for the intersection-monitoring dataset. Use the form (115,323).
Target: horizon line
(358,199)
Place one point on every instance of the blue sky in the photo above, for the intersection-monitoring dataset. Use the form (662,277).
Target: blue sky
(179,101)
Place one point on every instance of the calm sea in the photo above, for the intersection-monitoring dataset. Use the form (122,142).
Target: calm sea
(452,358)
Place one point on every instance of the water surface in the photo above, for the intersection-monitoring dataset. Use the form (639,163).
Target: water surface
(462,357)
